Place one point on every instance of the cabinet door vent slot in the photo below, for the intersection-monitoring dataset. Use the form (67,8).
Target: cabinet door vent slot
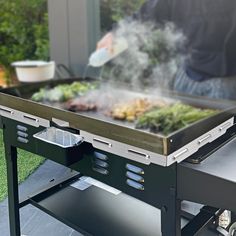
(22,135)
(135,177)
(100,170)
(135,169)
(135,185)
(100,164)
(100,156)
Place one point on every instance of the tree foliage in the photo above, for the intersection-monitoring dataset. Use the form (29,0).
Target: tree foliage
(114,10)
(24,27)
(23,31)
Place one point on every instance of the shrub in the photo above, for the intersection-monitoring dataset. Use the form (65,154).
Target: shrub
(23,31)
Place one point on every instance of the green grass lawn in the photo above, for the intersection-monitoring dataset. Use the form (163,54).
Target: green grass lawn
(27,163)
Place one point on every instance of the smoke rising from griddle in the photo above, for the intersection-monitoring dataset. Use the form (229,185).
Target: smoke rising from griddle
(149,65)
(152,58)
(106,97)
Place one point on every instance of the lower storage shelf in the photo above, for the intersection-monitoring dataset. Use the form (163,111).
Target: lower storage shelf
(97,212)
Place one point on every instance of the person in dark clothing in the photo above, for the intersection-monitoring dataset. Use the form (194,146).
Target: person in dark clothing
(210,29)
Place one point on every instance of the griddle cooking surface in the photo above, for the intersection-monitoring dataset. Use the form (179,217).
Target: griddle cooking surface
(99,124)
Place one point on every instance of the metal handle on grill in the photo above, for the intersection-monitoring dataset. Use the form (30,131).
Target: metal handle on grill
(31,118)
(102,142)
(6,110)
(202,140)
(180,153)
(146,156)
(225,126)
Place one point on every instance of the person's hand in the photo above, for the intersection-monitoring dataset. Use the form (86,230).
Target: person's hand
(106,42)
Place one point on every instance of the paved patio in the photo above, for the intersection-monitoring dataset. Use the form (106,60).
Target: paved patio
(33,221)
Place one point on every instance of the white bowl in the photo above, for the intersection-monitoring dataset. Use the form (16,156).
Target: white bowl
(34,71)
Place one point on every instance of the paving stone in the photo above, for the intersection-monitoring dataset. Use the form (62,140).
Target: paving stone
(4,223)
(75,233)
(33,221)
(43,224)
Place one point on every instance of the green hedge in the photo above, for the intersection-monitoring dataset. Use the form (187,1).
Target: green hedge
(24,27)
(23,31)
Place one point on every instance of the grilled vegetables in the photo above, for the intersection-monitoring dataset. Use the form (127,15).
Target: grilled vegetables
(63,92)
(131,110)
(171,118)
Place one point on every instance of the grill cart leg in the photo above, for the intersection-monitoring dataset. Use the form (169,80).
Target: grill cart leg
(170,219)
(13,195)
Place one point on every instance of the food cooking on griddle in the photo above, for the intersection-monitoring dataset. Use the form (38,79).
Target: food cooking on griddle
(63,92)
(171,118)
(131,110)
(79,104)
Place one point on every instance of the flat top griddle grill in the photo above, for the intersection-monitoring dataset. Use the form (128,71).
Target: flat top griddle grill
(137,163)
(147,147)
